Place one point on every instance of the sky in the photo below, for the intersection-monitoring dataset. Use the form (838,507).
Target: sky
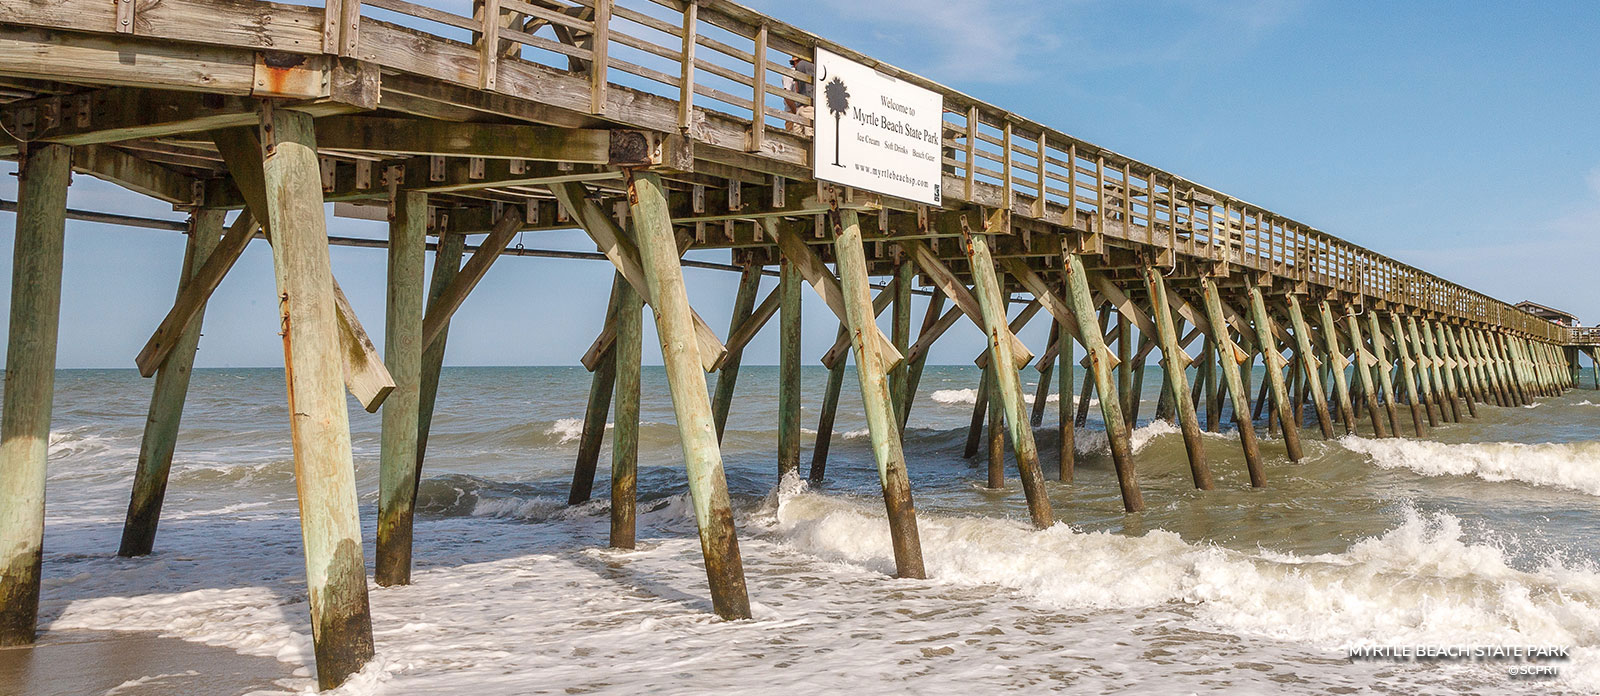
(1459,137)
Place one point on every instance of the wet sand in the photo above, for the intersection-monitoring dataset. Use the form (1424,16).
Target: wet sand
(132,663)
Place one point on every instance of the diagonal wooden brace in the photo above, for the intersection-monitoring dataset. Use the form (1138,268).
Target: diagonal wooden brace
(365,375)
(445,306)
(816,273)
(617,247)
(841,345)
(959,295)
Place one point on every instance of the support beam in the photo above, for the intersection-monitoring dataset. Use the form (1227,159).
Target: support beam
(1426,372)
(364,374)
(1385,380)
(117,114)
(680,350)
(625,353)
(1067,446)
(789,282)
(1308,363)
(1174,360)
(1444,384)
(744,303)
(135,174)
(856,297)
(992,305)
(1364,363)
(440,311)
(830,408)
(994,438)
(840,350)
(1460,372)
(1274,364)
(919,360)
(30,383)
(601,386)
(828,287)
(1407,371)
(1041,395)
(1228,358)
(341,623)
(943,278)
(166,402)
(446,263)
(621,250)
(1099,366)
(402,354)
(192,296)
(900,327)
(361,133)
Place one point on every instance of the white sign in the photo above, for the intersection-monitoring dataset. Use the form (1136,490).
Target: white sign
(875,132)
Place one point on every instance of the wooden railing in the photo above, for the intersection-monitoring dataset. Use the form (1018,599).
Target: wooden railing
(723,69)
(1583,336)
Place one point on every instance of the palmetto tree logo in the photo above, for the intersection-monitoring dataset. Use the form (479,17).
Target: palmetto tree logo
(838,103)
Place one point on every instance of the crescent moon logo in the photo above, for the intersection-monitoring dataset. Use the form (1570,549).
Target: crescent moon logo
(824,76)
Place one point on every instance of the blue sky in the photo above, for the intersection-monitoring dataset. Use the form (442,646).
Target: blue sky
(1463,138)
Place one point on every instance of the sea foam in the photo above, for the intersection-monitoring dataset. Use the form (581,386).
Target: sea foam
(1574,466)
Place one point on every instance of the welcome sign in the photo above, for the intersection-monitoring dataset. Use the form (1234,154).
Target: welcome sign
(875,132)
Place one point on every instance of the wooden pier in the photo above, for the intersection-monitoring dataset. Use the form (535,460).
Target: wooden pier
(657,127)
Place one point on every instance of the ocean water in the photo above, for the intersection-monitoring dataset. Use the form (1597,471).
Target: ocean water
(1486,534)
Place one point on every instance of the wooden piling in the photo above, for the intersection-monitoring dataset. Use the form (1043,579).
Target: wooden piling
(402,354)
(851,260)
(980,410)
(930,320)
(626,355)
(1174,361)
(1442,376)
(1228,358)
(1274,363)
(680,350)
(446,264)
(1136,399)
(1423,368)
(1125,393)
(900,333)
(744,303)
(987,287)
(43,177)
(1408,368)
(1385,379)
(789,284)
(1485,367)
(1041,396)
(1458,376)
(994,438)
(1363,369)
(830,407)
(1066,442)
(341,623)
(1100,371)
(1212,398)
(601,386)
(166,400)
(1305,351)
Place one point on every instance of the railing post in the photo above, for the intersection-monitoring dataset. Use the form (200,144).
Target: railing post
(758,108)
(489,42)
(691,14)
(599,59)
